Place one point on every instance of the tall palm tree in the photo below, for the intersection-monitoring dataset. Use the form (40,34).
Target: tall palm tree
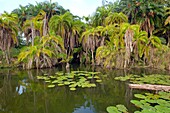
(9,32)
(74,34)
(90,39)
(36,26)
(99,16)
(61,24)
(144,12)
(44,53)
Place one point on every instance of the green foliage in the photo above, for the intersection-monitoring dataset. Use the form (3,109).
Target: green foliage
(103,39)
(117,18)
(73,80)
(150,79)
(153,102)
(148,103)
(40,55)
(61,23)
(9,30)
(117,109)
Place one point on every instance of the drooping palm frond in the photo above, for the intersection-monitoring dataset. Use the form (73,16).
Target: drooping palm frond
(61,23)
(116,18)
(167,21)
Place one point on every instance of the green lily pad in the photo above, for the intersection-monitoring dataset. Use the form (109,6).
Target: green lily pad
(93,85)
(40,77)
(90,77)
(122,108)
(99,81)
(47,81)
(51,86)
(140,96)
(55,81)
(73,85)
(52,77)
(112,109)
(60,84)
(96,77)
(66,83)
(73,79)
(72,89)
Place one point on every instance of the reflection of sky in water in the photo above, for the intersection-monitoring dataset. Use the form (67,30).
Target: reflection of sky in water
(84,109)
(21,88)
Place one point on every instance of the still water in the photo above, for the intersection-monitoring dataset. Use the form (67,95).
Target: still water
(21,92)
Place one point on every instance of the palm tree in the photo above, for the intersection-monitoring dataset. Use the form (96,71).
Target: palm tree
(166,27)
(107,53)
(99,16)
(36,26)
(74,34)
(9,32)
(146,13)
(61,24)
(167,21)
(115,18)
(43,53)
(90,40)
(152,14)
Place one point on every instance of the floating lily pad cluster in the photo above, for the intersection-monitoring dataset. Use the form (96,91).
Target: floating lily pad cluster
(73,79)
(149,103)
(150,79)
(153,103)
(117,109)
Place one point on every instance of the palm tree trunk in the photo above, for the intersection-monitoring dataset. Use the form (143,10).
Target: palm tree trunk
(92,57)
(33,33)
(45,26)
(7,58)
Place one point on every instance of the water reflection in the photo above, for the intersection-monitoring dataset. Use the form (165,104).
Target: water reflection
(20,92)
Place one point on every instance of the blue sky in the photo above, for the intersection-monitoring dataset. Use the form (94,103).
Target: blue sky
(77,7)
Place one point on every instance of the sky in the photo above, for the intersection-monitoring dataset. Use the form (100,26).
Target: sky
(77,7)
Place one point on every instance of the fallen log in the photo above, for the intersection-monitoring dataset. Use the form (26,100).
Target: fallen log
(150,87)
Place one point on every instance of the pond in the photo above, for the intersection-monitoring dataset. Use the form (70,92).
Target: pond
(21,92)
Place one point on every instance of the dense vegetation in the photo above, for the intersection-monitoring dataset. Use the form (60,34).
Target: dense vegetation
(123,34)
(148,103)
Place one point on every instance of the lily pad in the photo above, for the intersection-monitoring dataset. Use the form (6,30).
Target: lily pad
(51,86)
(122,108)
(60,84)
(47,81)
(99,81)
(72,89)
(112,109)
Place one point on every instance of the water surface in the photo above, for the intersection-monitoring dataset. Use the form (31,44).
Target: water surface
(21,92)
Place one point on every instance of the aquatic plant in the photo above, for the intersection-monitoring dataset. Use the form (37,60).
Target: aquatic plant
(73,79)
(117,109)
(148,103)
(150,79)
